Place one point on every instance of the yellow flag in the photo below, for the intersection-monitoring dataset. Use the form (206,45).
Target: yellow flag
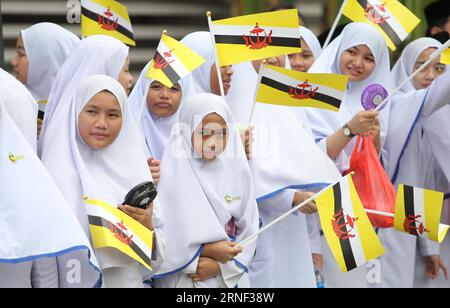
(418,212)
(346,226)
(391,17)
(280,86)
(172,61)
(106,17)
(110,227)
(257,36)
(445,57)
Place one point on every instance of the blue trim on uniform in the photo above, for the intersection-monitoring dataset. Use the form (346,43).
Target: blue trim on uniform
(197,254)
(239,264)
(408,139)
(99,282)
(318,140)
(295,187)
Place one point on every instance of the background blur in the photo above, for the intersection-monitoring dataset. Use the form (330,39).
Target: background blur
(179,17)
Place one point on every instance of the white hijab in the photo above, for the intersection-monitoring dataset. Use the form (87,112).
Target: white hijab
(107,174)
(47,46)
(97,54)
(35,219)
(155,130)
(199,81)
(20,105)
(193,191)
(311,39)
(325,123)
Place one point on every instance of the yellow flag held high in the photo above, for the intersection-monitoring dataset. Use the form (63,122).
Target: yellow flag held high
(346,226)
(393,19)
(257,36)
(445,57)
(110,227)
(172,61)
(106,17)
(280,86)
(418,212)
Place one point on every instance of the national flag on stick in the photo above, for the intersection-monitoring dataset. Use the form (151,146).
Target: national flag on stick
(172,61)
(257,36)
(280,86)
(391,17)
(445,57)
(418,212)
(346,226)
(106,17)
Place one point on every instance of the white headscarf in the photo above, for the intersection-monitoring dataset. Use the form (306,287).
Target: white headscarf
(20,105)
(324,122)
(107,174)
(194,191)
(97,54)
(35,219)
(156,131)
(47,46)
(199,81)
(311,39)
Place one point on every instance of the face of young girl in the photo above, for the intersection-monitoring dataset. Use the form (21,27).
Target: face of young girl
(279,61)
(163,101)
(210,138)
(20,62)
(100,121)
(302,61)
(226,73)
(357,62)
(435,69)
(125,78)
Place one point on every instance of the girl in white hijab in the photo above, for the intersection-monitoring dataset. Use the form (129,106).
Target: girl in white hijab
(97,54)
(207,190)
(418,111)
(361,53)
(98,153)
(42,50)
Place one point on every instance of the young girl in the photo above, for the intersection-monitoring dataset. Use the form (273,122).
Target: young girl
(42,49)
(207,190)
(32,222)
(417,155)
(99,155)
(97,54)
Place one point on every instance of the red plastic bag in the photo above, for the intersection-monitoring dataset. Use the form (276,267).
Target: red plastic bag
(372,182)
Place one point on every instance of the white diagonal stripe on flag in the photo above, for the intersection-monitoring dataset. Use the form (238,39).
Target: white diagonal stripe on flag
(100,10)
(419,209)
(176,65)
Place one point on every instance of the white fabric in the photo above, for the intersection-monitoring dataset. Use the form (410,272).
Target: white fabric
(37,227)
(324,122)
(311,40)
(155,130)
(20,105)
(47,46)
(96,54)
(107,174)
(193,192)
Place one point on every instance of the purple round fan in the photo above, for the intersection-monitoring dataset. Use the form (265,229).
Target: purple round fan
(372,96)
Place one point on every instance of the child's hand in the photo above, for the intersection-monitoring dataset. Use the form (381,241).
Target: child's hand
(155,169)
(247,140)
(144,217)
(221,251)
(301,197)
(206,268)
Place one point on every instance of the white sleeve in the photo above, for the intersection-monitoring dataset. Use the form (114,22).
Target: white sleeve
(44,273)
(231,274)
(342,161)
(281,202)
(438,94)
(428,248)
(314,227)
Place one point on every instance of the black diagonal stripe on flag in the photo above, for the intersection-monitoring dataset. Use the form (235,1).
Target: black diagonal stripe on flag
(385,26)
(94,16)
(408,192)
(168,70)
(101,222)
(276,41)
(285,88)
(346,247)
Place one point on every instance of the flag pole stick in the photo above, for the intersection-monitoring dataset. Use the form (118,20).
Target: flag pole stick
(433,56)
(219,74)
(256,92)
(294,209)
(380,213)
(335,24)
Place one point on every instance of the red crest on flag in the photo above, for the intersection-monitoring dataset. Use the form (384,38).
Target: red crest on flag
(340,222)
(161,62)
(121,233)
(376,13)
(410,225)
(263,39)
(107,21)
(303,91)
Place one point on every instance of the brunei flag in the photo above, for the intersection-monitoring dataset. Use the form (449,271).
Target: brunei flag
(346,226)
(393,19)
(172,61)
(106,17)
(110,227)
(280,86)
(418,212)
(257,36)
(445,57)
